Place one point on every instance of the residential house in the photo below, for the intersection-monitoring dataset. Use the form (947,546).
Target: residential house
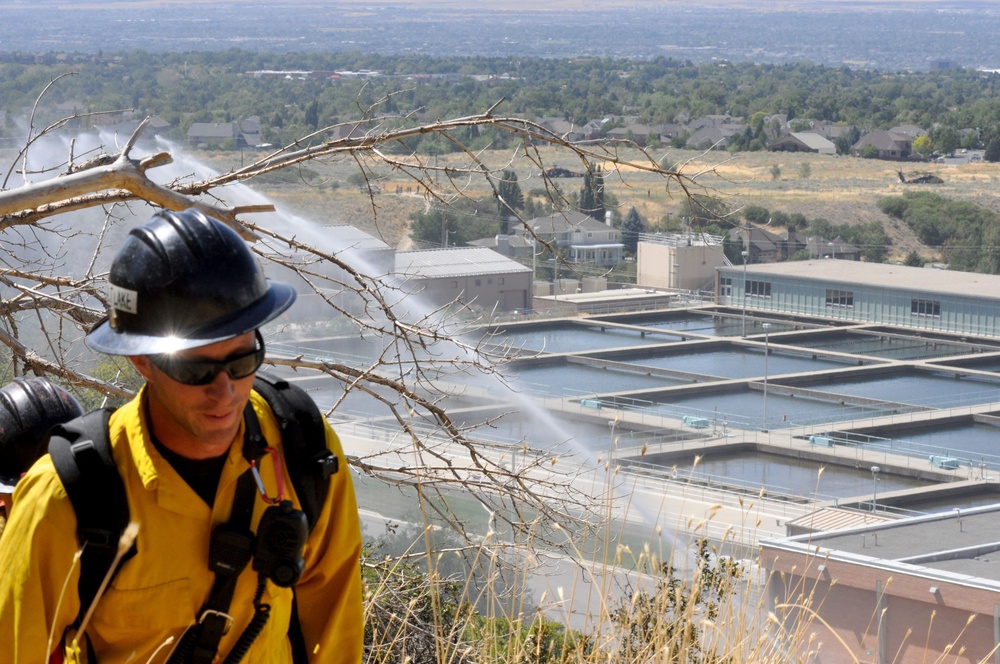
(567,130)
(714,121)
(803,142)
(215,135)
(713,137)
(592,130)
(670,131)
(579,237)
(763,246)
(250,131)
(775,126)
(831,130)
(793,243)
(910,130)
(820,247)
(888,145)
(633,132)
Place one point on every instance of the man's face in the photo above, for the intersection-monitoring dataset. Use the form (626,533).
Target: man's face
(198,421)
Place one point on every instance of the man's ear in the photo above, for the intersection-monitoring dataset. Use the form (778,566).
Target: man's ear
(142,365)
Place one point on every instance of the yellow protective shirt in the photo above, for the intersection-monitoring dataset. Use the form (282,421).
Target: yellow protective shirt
(157,594)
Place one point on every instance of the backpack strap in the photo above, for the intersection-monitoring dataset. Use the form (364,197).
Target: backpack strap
(303,438)
(81,453)
(310,465)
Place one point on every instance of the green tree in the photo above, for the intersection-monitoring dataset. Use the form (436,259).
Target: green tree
(946,139)
(992,152)
(455,224)
(705,213)
(781,219)
(311,117)
(592,193)
(775,172)
(846,141)
(632,226)
(510,199)
(805,170)
(970,140)
(913,259)
(756,214)
(923,144)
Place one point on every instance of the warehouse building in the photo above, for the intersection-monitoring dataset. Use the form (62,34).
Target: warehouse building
(941,300)
(475,276)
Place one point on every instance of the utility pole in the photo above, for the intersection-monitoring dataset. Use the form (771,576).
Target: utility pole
(746,254)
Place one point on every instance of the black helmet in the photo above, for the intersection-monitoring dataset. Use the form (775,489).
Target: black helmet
(184,280)
(29,407)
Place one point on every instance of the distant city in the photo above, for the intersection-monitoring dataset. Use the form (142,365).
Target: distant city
(915,39)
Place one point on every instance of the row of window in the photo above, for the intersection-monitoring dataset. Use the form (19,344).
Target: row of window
(925,308)
(835,299)
(839,299)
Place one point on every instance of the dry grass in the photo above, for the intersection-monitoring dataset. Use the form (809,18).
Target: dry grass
(636,615)
(838,189)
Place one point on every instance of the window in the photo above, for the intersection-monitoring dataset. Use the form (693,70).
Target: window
(479,282)
(725,287)
(840,299)
(489,282)
(925,308)
(454,284)
(759,289)
(501,281)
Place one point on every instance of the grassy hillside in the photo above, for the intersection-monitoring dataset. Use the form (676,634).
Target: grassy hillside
(838,189)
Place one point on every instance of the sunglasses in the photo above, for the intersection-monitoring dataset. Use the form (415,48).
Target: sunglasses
(196,371)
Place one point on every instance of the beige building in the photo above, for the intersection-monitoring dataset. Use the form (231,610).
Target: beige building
(681,262)
(475,276)
(896,592)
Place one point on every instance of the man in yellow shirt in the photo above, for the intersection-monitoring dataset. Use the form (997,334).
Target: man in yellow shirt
(186,300)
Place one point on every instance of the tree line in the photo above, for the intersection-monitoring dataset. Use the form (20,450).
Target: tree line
(187,87)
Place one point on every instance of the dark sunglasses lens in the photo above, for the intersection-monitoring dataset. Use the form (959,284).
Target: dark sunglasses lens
(203,372)
(241,367)
(192,372)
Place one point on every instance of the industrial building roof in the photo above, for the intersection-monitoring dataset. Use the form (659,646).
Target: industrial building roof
(455,262)
(881,275)
(962,542)
(836,518)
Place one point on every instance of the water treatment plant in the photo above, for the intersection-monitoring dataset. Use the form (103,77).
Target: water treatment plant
(811,429)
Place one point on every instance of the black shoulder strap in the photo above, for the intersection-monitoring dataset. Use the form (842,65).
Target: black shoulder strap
(303,438)
(81,453)
(310,464)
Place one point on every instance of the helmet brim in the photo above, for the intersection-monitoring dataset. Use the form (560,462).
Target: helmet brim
(277,300)
(7,486)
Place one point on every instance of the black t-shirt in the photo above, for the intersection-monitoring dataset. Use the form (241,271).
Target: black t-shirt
(202,475)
